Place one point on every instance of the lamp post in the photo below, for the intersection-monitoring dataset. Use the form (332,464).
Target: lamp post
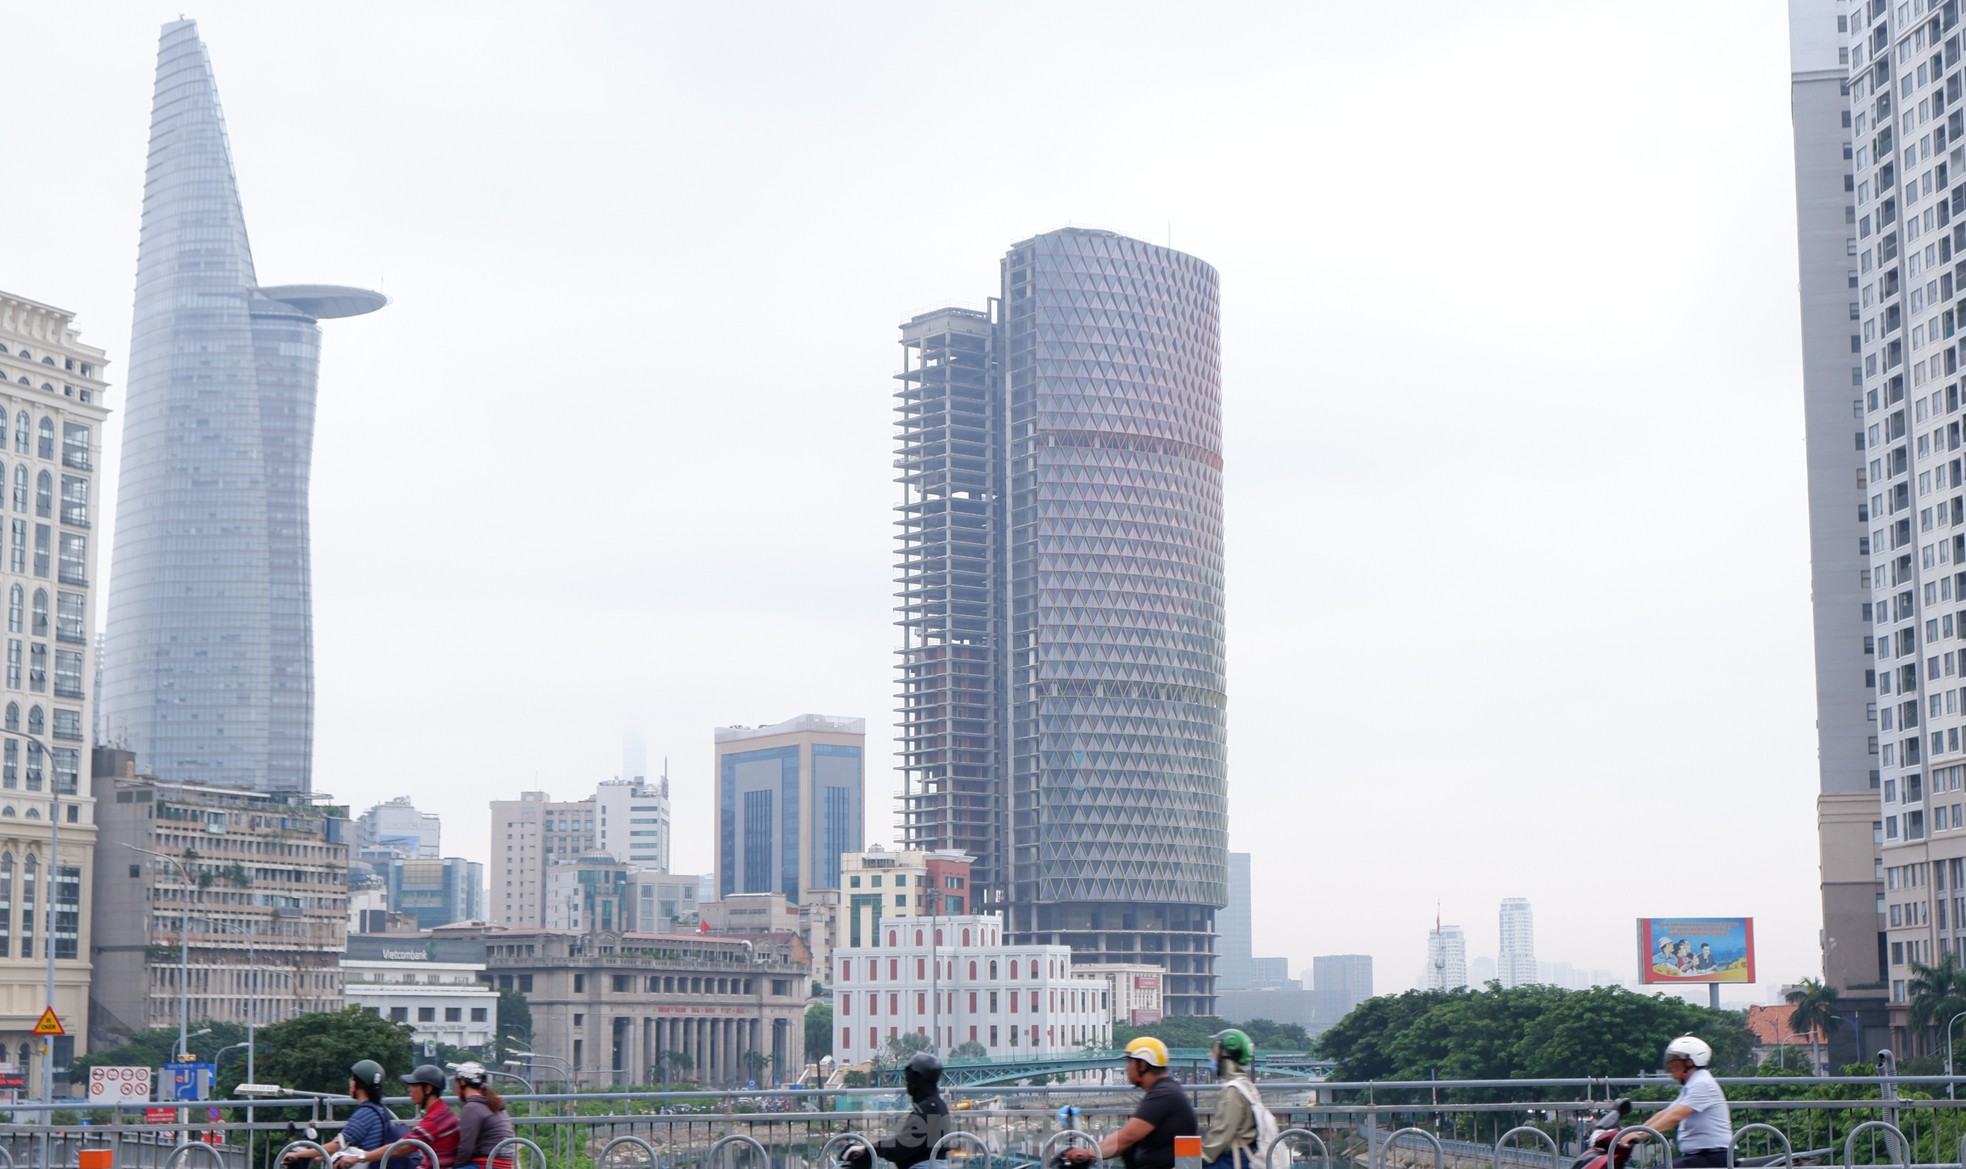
(36,749)
(757,963)
(184,943)
(1949,1069)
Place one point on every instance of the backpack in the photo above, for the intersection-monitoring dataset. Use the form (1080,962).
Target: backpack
(395,1130)
(1266,1121)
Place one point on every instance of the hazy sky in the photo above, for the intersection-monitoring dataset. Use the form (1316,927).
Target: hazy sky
(1517,547)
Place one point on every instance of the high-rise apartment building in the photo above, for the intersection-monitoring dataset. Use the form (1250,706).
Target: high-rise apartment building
(258,881)
(1063,694)
(53,403)
(437,892)
(632,821)
(790,800)
(1516,963)
(529,835)
(1340,982)
(209,676)
(1447,959)
(1235,948)
(1875,97)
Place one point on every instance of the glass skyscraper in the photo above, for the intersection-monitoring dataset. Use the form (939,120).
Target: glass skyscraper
(1063,690)
(208,670)
(790,801)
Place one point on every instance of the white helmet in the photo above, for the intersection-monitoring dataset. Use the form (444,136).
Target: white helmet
(1691,1048)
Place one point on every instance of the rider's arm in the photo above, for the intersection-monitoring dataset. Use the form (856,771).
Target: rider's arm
(1663,1121)
(1130,1134)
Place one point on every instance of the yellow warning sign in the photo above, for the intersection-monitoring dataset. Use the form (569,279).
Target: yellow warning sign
(49,1025)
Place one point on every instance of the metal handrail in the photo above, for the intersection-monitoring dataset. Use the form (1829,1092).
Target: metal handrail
(1549,1142)
(1641,1134)
(607,1150)
(521,1142)
(825,1157)
(1788,1150)
(389,1150)
(738,1138)
(935,1153)
(175,1156)
(1891,1132)
(1440,1153)
(1065,1136)
(1269,1154)
(320,1150)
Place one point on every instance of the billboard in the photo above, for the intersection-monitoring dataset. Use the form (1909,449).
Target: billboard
(1695,949)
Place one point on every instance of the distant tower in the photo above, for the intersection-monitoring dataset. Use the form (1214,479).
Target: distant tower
(1235,962)
(209,676)
(1516,965)
(1447,958)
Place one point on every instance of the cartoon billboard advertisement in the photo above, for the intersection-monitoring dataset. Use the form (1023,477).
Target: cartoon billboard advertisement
(1695,949)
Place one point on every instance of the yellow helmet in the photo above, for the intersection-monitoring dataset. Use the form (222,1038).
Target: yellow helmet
(1148,1050)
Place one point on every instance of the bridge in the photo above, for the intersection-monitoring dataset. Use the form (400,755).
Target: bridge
(1185,1062)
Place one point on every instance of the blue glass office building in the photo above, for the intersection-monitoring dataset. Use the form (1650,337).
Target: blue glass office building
(790,800)
(208,669)
(1063,681)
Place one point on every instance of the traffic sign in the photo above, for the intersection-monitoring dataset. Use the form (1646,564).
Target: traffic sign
(49,1025)
(109,1085)
(159,1115)
(213,1114)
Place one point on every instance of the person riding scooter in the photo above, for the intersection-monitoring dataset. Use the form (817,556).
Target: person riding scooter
(927,1121)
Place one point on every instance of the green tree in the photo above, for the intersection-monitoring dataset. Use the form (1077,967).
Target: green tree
(154,1048)
(1938,992)
(314,1052)
(898,1049)
(819,1031)
(1814,1014)
(969,1049)
(514,1025)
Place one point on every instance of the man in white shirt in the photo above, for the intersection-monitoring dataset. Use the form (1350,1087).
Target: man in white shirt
(1699,1112)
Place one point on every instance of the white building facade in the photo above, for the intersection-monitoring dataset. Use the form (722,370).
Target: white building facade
(396,827)
(1133,990)
(1516,965)
(633,821)
(436,986)
(955,980)
(1447,959)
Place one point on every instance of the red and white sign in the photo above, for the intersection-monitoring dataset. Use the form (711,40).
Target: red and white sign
(118,1085)
(1146,982)
(160,1116)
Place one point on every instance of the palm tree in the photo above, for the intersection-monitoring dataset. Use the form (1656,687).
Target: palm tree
(1814,1015)
(1937,992)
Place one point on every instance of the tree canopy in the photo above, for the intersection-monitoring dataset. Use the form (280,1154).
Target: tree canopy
(155,1047)
(819,1031)
(1195,1030)
(314,1052)
(1525,1032)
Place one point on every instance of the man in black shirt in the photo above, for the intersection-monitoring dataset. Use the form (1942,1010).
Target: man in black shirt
(1146,1140)
(926,1123)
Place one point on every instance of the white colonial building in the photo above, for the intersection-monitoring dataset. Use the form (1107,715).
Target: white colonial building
(954,979)
(436,985)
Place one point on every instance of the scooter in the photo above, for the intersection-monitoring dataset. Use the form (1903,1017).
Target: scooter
(1597,1140)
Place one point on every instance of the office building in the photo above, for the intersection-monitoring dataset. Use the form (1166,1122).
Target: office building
(258,880)
(209,675)
(1447,959)
(1272,973)
(1340,982)
(632,821)
(53,403)
(1874,98)
(1133,991)
(617,1008)
(1235,964)
(396,828)
(959,980)
(881,883)
(789,803)
(1516,964)
(1062,678)
(528,836)
(665,903)
(435,986)
(593,892)
(437,892)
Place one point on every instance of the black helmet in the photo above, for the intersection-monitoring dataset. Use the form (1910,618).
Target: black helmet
(924,1063)
(428,1074)
(367,1073)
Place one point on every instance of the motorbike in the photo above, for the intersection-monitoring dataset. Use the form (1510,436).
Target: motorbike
(1604,1126)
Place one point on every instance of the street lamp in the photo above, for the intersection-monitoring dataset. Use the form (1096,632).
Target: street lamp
(758,978)
(36,749)
(184,943)
(1949,1071)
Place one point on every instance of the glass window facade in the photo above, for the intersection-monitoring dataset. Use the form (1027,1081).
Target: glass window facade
(1062,674)
(209,674)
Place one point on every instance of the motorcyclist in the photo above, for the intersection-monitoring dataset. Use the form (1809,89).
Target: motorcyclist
(1230,1142)
(1699,1112)
(926,1123)
(1146,1140)
(368,1126)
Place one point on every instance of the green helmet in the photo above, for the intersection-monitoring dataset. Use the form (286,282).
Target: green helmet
(367,1073)
(1233,1044)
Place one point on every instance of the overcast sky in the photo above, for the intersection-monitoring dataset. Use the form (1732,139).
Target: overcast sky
(1518,592)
